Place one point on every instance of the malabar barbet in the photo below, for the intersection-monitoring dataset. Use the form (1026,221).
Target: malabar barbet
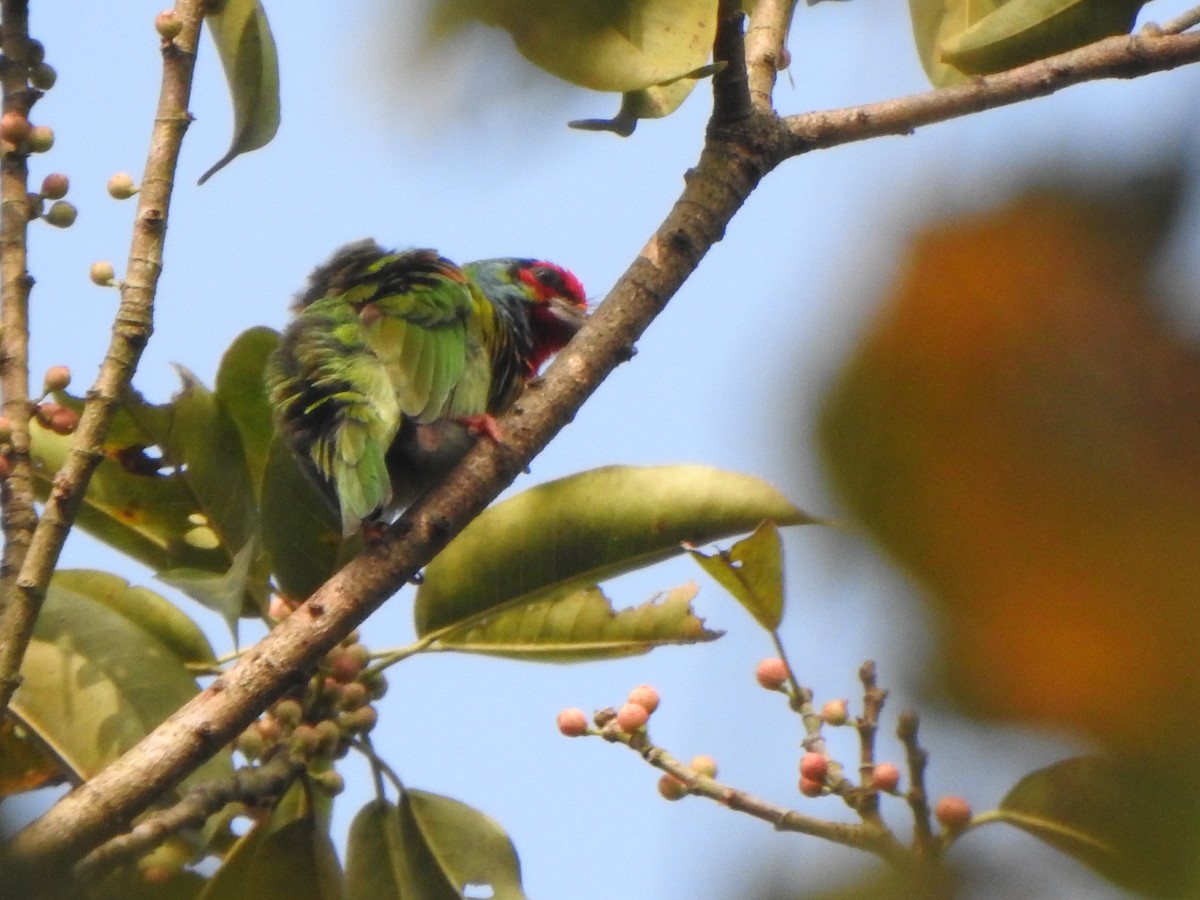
(397,360)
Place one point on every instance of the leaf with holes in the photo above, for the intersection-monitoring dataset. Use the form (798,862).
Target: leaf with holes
(582,627)
(573,533)
(752,571)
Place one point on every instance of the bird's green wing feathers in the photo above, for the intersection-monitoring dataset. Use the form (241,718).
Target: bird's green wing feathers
(425,330)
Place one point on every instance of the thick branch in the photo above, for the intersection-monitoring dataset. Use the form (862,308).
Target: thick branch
(1118,57)
(131,331)
(16,491)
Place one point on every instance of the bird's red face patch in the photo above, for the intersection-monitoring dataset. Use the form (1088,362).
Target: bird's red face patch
(547,280)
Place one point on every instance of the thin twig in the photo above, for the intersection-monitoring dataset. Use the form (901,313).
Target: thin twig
(766,51)
(16,491)
(250,785)
(131,331)
(849,834)
(1181,22)
(924,842)
(866,799)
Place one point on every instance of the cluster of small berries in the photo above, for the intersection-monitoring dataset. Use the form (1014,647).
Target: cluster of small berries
(317,727)
(53,416)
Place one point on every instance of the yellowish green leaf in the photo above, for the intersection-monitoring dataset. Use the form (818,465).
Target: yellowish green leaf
(247,51)
(752,570)
(1021,31)
(582,627)
(936,21)
(1120,818)
(570,534)
(652,102)
(606,45)
(107,663)
(242,392)
(291,849)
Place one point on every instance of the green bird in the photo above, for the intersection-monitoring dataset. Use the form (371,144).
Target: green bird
(397,360)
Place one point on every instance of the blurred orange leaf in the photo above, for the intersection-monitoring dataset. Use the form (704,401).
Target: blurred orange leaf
(1021,430)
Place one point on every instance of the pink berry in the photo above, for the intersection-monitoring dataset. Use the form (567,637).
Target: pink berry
(772,673)
(632,716)
(810,787)
(14,128)
(954,813)
(573,722)
(644,696)
(671,788)
(835,712)
(885,777)
(814,766)
(55,186)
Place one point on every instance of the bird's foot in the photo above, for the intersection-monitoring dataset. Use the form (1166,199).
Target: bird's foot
(483,425)
(372,531)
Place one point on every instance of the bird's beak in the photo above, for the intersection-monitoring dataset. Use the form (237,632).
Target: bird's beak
(567,316)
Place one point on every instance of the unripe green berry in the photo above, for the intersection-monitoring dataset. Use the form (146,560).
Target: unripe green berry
(644,696)
(332,781)
(167,24)
(5,428)
(704,765)
(41,138)
(14,128)
(632,716)
(101,273)
(328,736)
(772,673)
(377,684)
(55,186)
(359,721)
(61,214)
(121,186)
(355,696)
(57,378)
(43,76)
(671,788)
(250,744)
(305,740)
(270,730)
(814,766)
(954,813)
(835,712)
(572,722)
(35,51)
(288,713)
(885,777)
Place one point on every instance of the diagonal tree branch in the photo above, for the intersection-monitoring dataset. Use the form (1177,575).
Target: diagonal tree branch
(16,491)
(736,157)
(131,331)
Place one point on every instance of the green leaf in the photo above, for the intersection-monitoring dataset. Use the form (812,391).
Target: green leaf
(300,530)
(605,45)
(582,627)
(1021,31)
(290,854)
(937,21)
(429,847)
(173,490)
(107,663)
(1122,819)
(247,51)
(572,533)
(652,102)
(24,764)
(752,570)
(242,392)
(224,594)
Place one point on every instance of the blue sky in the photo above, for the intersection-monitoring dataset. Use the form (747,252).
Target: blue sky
(469,154)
